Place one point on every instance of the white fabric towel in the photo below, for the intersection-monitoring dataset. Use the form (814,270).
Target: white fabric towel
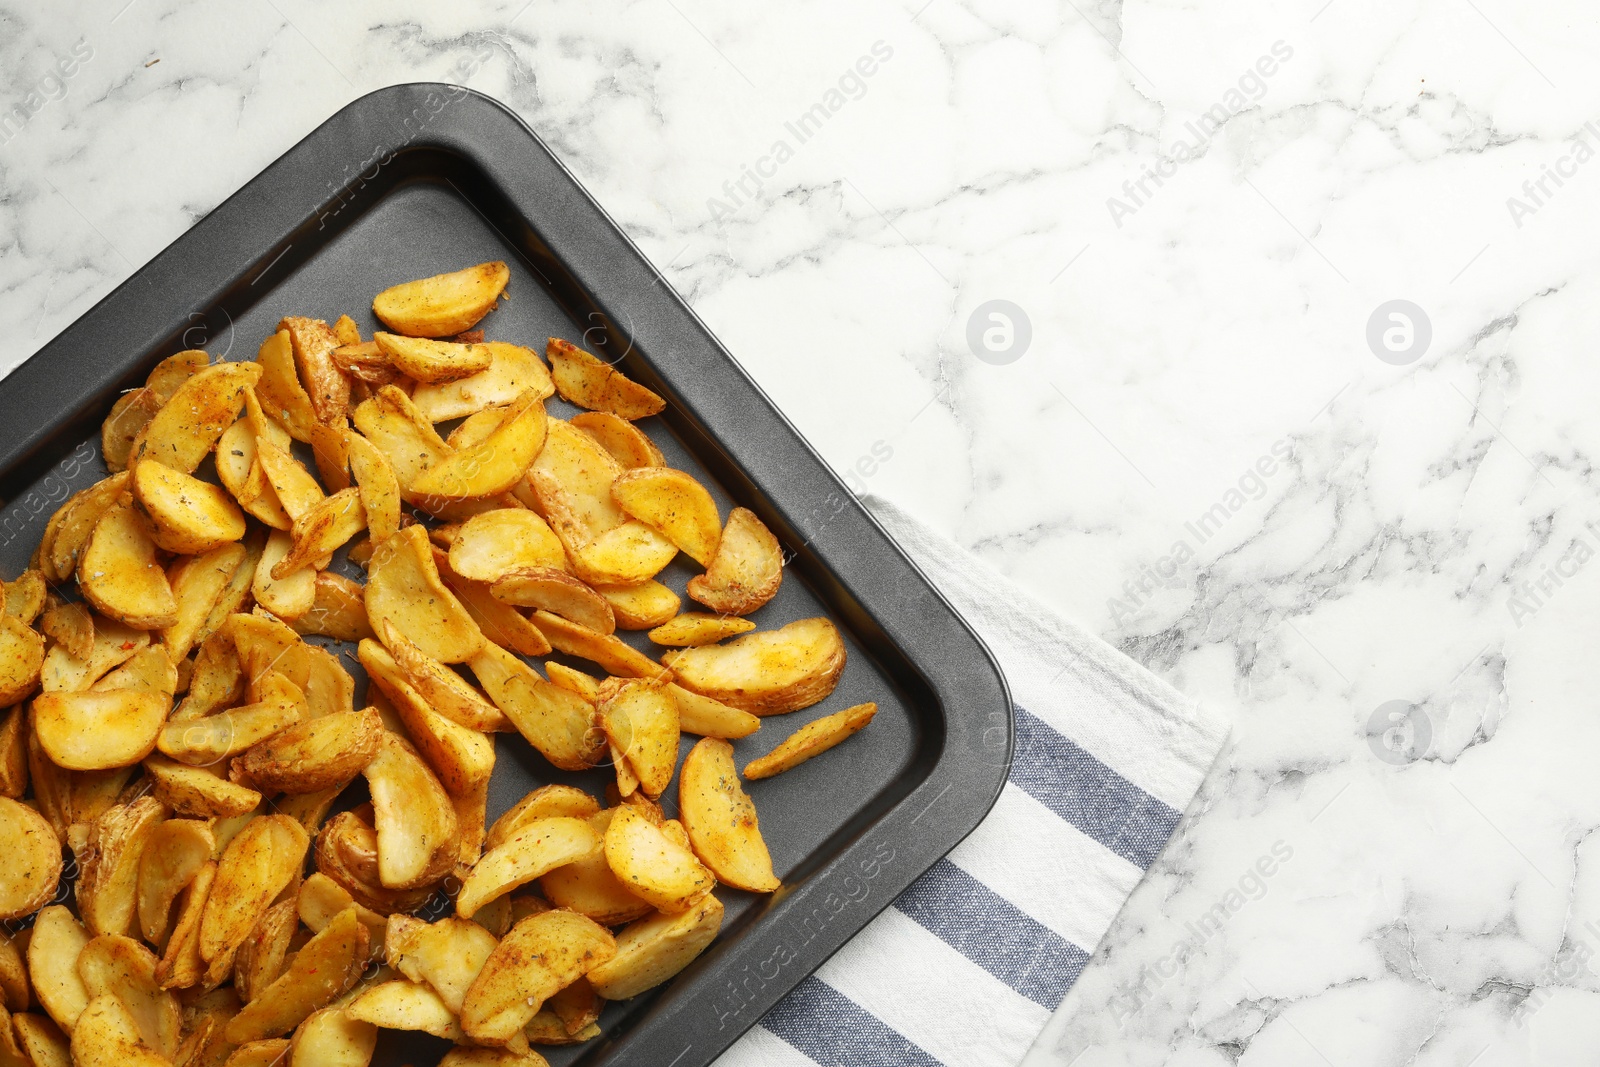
(965,968)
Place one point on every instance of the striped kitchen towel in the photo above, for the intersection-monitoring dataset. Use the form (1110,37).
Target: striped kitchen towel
(964,969)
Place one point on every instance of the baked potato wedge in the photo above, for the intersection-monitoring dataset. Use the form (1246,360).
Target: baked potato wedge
(172,856)
(184,515)
(768,672)
(198,791)
(641,606)
(375,478)
(108,885)
(53,951)
(640,719)
(462,758)
(557,722)
(33,859)
(655,949)
(442,689)
(557,592)
(118,573)
(255,866)
(695,628)
(330,1038)
(489,546)
(588,885)
(674,504)
(432,361)
(512,371)
(415,821)
(721,818)
(711,718)
(444,304)
(324,969)
(92,731)
(123,968)
(746,571)
(404,589)
(500,623)
(590,382)
(279,389)
(812,739)
(313,342)
(494,464)
(447,954)
(608,650)
(186,428)
(533,850)
(653,866)
(22,658)
(542,803)
(197,583)
(312,755)
(401,1004)
(628,444)
(541,955)
(338,610)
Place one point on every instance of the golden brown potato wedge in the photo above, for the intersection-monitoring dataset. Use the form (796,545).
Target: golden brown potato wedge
(444,691)
(403,587)
(262,957)
(432,361)
(557,592)
(108,885)
(469,1056)
(107,1036)
(169,375)
(711,718)
(555,721)
(585,685)
(216,680)
(380,491)
(41,1042)
(269,1053)
(487,547)
(312,755)
(33,859)
(118,573)
(542,803)
(21,659)
(172,856)
(447,954)
(320,530)
(332,455)
(463,758)
(71,626)
(53,951)
(592,383)
(655,949)
(198,791)
(589,887)
(541,955)
(99,730)
(282,395)
(652,865)
(812,739)
(768,672)
(401,1004)
(721,818)
(149,668)
(181,966)
(577,474)
(15,992)
(14,752)
(321,899)
(242,476)
(608,650)
(182,513)
(129,415)
(345,331)
(188,425)
(295,487)
(124,968)
(338,610)
(675,504)
(364,361)
(262,859)
(25,598)
(198,583)
(627,443)
(626,554)
(533,850)
(640,719)
(314,341)
(414,818)
(513,370)
(347,853)
(641,606)
(407,439)
(114,644)
(500,623)
(328,965)
(330,1038)
(746,571)
(494,464)
(209,740)
(444,304)
(70,527)
(695,628)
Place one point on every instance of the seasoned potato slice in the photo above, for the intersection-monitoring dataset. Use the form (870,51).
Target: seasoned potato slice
(626,554)
(721,818)
(640,719)
(313,342)
(365,361)
(338,610)
(321,899)
(746,571)
(432,361)
(197,583)
(320,530)
(262,956)
(415,820)
(173,855)
(558,723)
(463,758)
(652,865)
(768,672)
(557,592)
(107,1036)
(328,965)
(592,383)
(442,689)
(53,951)
(331,455)
(204,741)
(21,659)
(124,968)
(494,464)
(108,886)
(444,304)
(695,628)
(512,371)
(380,491)
(97,730)
(403,587)
(312,755)
(13,757)
(24,598)
(181,966)
(392,423)
(198,791)
(129,415)
(279,389)
(541,955)
(812,739)
(242,476)
(655,949)
(588,885)
(641,606)
(69,528)
(405,1005)
(500,623)
(578,473)
(33,859)
(71,626)
(295,487)
(254,868)
(330,1038)
(585,685)
(184,514)
(538,847)
(447,954)
(114,644)
(119,575)
(188,425)
(627,443)
(169,375)
(675,504)
(347,854)
(711,718)
(489,546)
(41,1042)
(608,650)
(542,803)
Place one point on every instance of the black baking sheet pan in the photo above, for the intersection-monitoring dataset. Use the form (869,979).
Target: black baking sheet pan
(418,179)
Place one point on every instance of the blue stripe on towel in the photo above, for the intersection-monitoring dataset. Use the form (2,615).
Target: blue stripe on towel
(1088,794)
(834,1031)
(994,933)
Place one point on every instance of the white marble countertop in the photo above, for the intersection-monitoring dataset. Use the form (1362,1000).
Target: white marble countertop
(1204,212)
